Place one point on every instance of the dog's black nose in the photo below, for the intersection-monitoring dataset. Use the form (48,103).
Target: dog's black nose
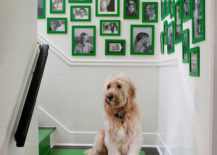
(110,97)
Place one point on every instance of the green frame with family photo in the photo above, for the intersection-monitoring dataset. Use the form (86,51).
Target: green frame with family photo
(190,11)
(58,12)
(80,20)
(138,10)
(202,38)
(131,39)
(107,14)
(162,42)
(184,60)
(197,50)
(143,12)
(110,34)
(94,40)
(80,1)
(173,35)
(107,41)
(178,2)
(44,11)
(57,32)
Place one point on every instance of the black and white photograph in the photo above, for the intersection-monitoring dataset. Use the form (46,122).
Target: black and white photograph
(170,39)
(80,13)
(110,27)
(41,9)
(107,7)
(57,6)
(185,48)
(194,61)
(178,22)
(142,39)
(167,7)
(150,11)
(162,42)
(187,9)
(57,25)
(115,47)
(172,8)
(131,9)
(198,20)
(162,9)
(83,40)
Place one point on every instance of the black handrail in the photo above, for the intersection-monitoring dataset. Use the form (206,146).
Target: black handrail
(28,108)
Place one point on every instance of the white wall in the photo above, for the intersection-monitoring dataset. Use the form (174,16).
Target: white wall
(185,106)
(17,42)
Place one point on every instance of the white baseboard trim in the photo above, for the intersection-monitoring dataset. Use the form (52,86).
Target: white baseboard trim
(122,63)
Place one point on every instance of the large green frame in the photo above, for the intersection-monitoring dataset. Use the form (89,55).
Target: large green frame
(57,32)
(107,41)
(173,26)
(80,20)
(197,50)
(181,8)
(94,41)
(143,12)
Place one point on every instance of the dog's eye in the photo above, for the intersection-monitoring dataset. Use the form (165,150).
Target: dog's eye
(108,86)
(119,86)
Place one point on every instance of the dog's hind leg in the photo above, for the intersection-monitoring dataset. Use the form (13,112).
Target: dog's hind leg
(99,145)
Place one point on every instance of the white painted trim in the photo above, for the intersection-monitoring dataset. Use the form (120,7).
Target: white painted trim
(127,63)
(163,145)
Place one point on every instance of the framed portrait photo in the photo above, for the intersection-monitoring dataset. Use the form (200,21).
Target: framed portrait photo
(162,42)
(162,6)
(107,8)
(83,40)
(149,12)
(187,10)
(131,9)
(165,32)
(80,1)
(41,9)
(167,7)
(115,47)
(172,12)
(198,25)
(57,25)
(57,6)
(178,21)
(110,27)
(142,40)
(194,65)
(185,46)
(170,38)
(80,13)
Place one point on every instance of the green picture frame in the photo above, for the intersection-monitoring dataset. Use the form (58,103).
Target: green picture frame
(172,12)
(73,17)
(178,21)
(115,13)
(187,10)
(162,42)
(52,6)
(146,18)
(194,67)
(162,6)
(198,32)
(110,28)
(79,49)
(59,25)
(166,8)
(118,50)
(142,33)
(170,38)
(165,32)
(185,46)
(80,1)
(133,14)
(42,11)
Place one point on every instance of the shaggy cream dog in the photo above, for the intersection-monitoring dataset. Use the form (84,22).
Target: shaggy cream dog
(122,121)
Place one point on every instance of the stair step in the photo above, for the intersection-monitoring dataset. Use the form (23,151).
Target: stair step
(44,140)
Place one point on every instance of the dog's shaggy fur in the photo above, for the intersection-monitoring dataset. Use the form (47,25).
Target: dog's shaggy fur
(123,127)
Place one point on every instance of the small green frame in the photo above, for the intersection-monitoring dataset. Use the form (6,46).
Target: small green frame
(144,12)
(172,50)
(189,16)
(126,15)
(94,40)
(110,34)
(185,46)
(132,51)
(107,41)
(197,51)
(43,16)
(116,14)
(57,11)
(166,12)
(80,1)
(172,11)
(178,36)
(80,20)
(162,42)
(162,6)
(56,32)
(165,32)
(201,21)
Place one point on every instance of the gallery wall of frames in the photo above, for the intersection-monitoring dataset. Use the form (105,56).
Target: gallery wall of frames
(180,12)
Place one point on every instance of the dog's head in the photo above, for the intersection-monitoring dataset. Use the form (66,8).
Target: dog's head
(119,89)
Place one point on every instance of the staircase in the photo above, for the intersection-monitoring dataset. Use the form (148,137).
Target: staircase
(45,149)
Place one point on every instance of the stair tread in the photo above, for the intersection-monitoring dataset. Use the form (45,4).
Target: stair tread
(44,133)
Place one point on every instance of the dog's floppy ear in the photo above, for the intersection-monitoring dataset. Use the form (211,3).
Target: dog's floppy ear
(132,89)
